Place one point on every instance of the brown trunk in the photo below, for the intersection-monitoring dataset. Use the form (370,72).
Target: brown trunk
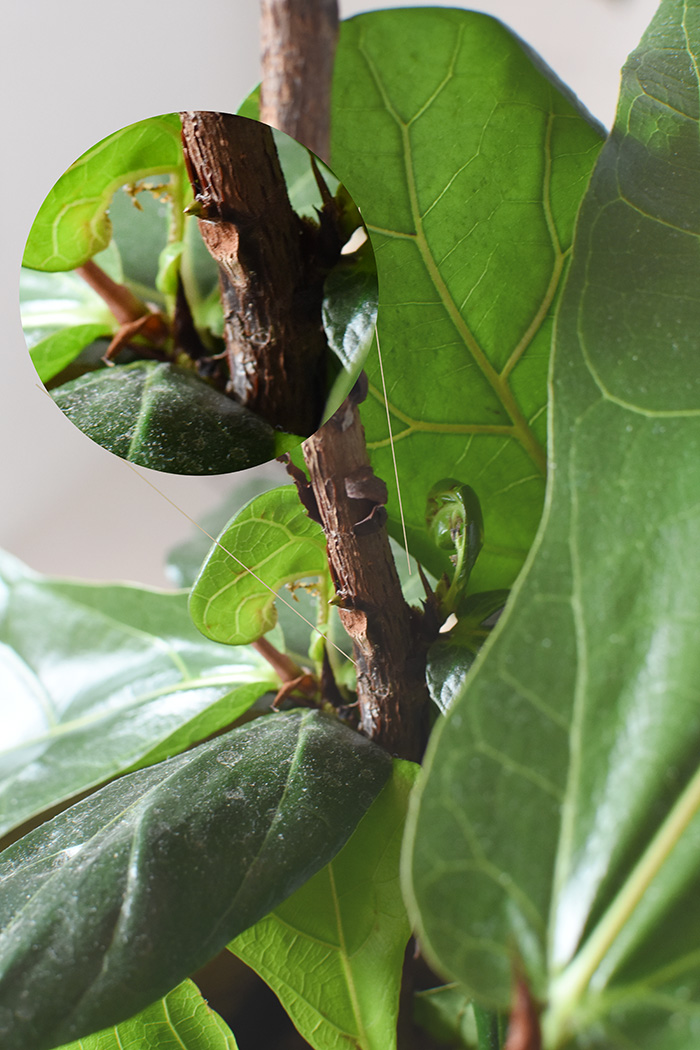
(524,1024)
(389,648)
(298,47)
(270,268)
(125,306)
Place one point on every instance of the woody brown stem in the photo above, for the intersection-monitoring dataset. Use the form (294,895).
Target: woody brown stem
(270,271)
(524,1031)
(389,648)
(282,664)
(125,306)
(389,644)
(298,48)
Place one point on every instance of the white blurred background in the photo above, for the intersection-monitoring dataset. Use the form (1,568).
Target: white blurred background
(78,70)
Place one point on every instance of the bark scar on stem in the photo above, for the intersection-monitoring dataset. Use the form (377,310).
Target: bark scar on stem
(303,486)
(389,647)
(272,265)
(389,638)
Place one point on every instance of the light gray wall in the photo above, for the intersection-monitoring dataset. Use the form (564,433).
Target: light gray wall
(77,70)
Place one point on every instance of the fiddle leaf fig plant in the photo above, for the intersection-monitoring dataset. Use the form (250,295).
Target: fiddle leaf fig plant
(174,787)
(125,310)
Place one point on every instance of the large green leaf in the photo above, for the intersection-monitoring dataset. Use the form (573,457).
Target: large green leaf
(166,418)
(180,1021)
(112,903)
(559,812)
(469,163)
(72,224)
(333,952)
(271,542)
(98,678)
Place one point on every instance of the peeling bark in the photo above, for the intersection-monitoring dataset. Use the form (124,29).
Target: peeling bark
(272,265)
(298,48)
(388,636)
(390,639)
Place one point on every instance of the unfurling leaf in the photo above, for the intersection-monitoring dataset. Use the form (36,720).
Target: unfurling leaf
(455,523)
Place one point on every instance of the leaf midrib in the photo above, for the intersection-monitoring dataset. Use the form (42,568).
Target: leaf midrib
(345,962)
(227,681)
(498,382)
(571,985)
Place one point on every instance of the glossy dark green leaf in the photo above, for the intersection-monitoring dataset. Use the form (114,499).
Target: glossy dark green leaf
(334,951)
(270,542)
(164,417)
(180,1021)
(450,658)
(96,679)
(469,163)
(560,813)
(72,224)
(349,317)
(111,904)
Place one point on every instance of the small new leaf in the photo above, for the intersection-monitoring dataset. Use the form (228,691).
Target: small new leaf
(455,523)
(73,224)
(269,543)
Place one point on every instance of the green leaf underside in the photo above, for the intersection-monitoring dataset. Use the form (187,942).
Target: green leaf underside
(184,561)
(72,224)
(471,230)
(166,418)
(180,1021)
(50,302)
(98,678)
(271,542)
(559,813)
(333,952)
(108,906)
(51,355)
(295,161)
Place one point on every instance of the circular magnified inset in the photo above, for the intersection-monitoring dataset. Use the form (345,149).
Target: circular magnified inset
(198,293)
